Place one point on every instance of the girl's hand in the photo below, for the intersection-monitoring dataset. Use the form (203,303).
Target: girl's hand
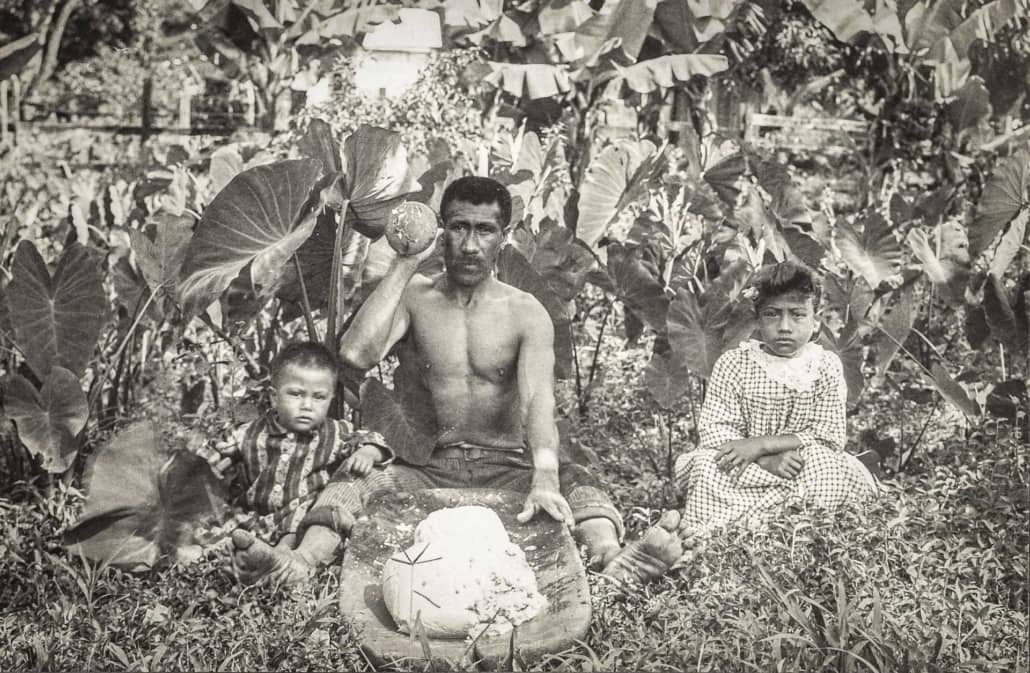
(786,465)
(362,460)
(735,455)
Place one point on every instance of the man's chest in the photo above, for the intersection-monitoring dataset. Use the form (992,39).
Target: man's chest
(455,342)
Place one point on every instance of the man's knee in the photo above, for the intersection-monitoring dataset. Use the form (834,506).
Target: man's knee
(573,476)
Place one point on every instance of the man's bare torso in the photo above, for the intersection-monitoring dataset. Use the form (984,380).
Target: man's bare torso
(467,357)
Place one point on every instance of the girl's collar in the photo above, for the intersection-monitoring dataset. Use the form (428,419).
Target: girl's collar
(797,373)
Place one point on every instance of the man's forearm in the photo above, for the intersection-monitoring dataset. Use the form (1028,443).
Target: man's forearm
(363,342)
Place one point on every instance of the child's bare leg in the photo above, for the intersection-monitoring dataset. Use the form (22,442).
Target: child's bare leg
(652,555)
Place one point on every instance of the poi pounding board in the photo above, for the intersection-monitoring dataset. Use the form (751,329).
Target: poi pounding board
(390,527)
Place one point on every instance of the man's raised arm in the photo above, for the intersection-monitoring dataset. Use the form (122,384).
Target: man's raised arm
(536,396)
(382,320)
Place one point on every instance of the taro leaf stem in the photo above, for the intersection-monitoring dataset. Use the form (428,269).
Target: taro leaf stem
(99,385)
(335,272)
(309,319)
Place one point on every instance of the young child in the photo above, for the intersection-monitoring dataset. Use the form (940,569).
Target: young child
(278,464)
(773,421)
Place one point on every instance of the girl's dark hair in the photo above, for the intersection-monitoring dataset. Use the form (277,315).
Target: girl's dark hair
(783,278)
(304,354)
(478,191)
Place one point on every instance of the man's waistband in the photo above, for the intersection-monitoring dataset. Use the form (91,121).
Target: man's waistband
(474,452)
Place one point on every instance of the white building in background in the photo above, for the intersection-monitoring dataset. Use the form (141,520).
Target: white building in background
(395,52)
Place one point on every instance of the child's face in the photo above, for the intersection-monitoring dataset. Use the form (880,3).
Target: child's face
(786,323)
(301,397)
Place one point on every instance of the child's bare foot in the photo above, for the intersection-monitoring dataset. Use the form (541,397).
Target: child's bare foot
(257,561)
(651,556)
(786,465)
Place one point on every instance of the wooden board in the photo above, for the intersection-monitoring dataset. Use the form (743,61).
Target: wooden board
(390,526)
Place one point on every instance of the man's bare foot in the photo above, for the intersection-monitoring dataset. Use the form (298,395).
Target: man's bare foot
(257,561)
(652,555)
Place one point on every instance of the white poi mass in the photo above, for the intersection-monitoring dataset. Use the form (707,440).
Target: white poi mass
(463,574)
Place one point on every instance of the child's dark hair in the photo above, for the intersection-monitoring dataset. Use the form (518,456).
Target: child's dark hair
(304,354)
(478,191)
(786,277)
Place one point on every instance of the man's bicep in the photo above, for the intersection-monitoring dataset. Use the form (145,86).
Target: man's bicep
(536,352)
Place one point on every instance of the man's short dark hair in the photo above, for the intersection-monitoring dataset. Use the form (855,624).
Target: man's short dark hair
(787,277)
(304,354)
(478,191)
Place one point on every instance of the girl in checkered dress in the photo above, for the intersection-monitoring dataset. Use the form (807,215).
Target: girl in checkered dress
(773,422)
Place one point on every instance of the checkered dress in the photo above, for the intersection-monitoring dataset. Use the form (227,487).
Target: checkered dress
(752,393)
(277,474)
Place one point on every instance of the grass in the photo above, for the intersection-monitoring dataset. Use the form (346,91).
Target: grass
(933,577)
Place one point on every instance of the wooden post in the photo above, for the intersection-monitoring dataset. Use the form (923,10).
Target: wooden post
(145,122)
(3,112)
(185,101)
(251,110)
(16,106)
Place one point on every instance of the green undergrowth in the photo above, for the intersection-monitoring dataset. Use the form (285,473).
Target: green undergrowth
(932,577)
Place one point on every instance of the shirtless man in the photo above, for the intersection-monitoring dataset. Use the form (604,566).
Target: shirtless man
(485,352)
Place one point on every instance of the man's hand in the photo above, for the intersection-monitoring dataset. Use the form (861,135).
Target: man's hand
(544,495)
(786,465)
(735,455)
(362,460)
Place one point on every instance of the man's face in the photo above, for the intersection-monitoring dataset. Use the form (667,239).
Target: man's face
(301,397)
(472,238)
(786,323)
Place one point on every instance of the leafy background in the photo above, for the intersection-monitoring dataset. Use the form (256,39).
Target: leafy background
(168,310)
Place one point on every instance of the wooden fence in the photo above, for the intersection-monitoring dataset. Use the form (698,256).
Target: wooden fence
(13,123)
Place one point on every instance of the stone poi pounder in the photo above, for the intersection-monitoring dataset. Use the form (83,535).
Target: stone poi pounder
(390,526)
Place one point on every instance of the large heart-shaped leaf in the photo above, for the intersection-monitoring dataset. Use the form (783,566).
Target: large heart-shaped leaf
(407,424)
(848,347)
(950,390)
(616,177)
(57,320)
(947,263)
(49,420)
(375,177)
(557,255)
(1008,325)
(1006,194)
(803,246)
(1010,244)
(895,327)
(141,503)
(637,285)
(6,328)
(160,259)
(667,377)
(700,333)
(226,164)
(971,105)
(260,218)
(319,143)
(724,176)
(514,269)
(874,253)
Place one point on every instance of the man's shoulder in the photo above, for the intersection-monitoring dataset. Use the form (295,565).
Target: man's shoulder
(523,304)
